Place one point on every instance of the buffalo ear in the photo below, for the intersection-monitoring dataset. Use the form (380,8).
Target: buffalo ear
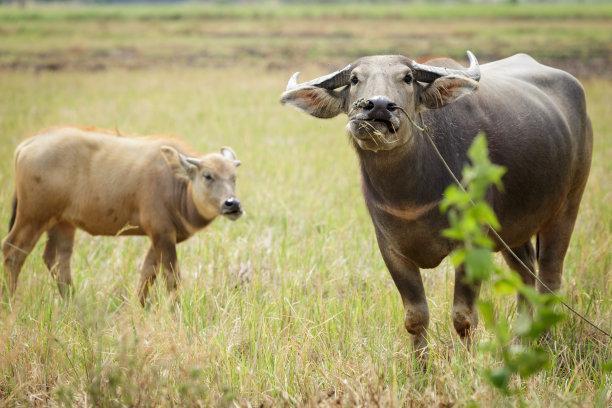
(229,154)
(180,164)
(445,90)
(318,102)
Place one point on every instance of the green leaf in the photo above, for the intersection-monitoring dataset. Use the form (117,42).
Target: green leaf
(478,264)
(522,324)
(457,257)
(485,309)
(504,287)
(484,214)
(499,377)
(530,360)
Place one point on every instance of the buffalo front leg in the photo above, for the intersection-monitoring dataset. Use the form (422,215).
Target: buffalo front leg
(63,235)
(164,248)
(465,316)
(50,253)
(148,273)
(171,270)
(407,278)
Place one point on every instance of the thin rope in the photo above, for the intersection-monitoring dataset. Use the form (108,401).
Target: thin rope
(424,129)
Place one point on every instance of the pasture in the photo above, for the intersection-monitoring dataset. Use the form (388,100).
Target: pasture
(291,304)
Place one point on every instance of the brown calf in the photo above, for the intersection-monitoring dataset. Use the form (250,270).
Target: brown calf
(69,178)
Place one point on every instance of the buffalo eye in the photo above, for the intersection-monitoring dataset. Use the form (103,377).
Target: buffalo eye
(408,78)
(354,80)
(208,176)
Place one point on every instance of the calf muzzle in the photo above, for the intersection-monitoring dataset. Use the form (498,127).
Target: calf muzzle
(231,208)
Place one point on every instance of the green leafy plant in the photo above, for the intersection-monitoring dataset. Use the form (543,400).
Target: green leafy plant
(470,217)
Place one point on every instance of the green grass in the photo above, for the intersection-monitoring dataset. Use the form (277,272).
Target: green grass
(320,320)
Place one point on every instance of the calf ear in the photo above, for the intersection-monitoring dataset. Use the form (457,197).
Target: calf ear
(319,102)
(181,165)
(445,90)
(229,154)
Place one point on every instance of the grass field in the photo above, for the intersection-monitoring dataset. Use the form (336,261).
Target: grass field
(291,304)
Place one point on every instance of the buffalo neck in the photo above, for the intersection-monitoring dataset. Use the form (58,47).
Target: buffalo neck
(410,174)
(186,209)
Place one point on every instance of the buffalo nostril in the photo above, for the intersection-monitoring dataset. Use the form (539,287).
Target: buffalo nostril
(231,204)
(369,105)
(391,106)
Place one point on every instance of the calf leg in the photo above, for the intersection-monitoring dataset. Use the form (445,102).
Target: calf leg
(16,247)
(465,316)
(148,274)
(50,254)
(170,264)
(64,242)
(407,278)
(162,251)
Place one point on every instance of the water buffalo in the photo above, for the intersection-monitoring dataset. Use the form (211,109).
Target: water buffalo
(536,124)
(70,178)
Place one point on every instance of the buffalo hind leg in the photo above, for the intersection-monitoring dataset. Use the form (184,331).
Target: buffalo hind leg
(553,243)
(465,316)
(527,256)
(16,247)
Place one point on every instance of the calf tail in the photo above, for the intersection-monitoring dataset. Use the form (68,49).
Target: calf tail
(14,213)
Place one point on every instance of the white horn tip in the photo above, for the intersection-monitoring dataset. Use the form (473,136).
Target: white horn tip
(472,58)
(293,81)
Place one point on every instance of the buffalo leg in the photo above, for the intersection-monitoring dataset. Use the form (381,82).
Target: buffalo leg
(554,240)
(170,265)
(50,253)
(16,247)
(148,273)
(407,278)
(162,251)
(526,254)
(64,236)
(465,316)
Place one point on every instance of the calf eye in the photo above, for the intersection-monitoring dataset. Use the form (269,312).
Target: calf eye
(408,79)
(354,80)
(208,176)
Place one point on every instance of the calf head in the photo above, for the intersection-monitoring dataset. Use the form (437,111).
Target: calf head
(381,96)
(212,180)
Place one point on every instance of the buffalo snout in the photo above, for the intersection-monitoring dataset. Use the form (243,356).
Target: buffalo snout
(379,108)
(231,208)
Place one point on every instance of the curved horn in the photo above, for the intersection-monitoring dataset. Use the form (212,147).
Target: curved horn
(429,73)
(329,81)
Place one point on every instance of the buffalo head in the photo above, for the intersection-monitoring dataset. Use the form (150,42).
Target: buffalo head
(381,96)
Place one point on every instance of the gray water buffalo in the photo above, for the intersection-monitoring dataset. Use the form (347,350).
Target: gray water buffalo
(536,124)
(69,178)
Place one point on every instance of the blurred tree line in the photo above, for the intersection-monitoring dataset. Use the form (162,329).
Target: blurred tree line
(238,2)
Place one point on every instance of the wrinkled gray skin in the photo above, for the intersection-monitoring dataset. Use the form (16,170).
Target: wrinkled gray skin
(536,124)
